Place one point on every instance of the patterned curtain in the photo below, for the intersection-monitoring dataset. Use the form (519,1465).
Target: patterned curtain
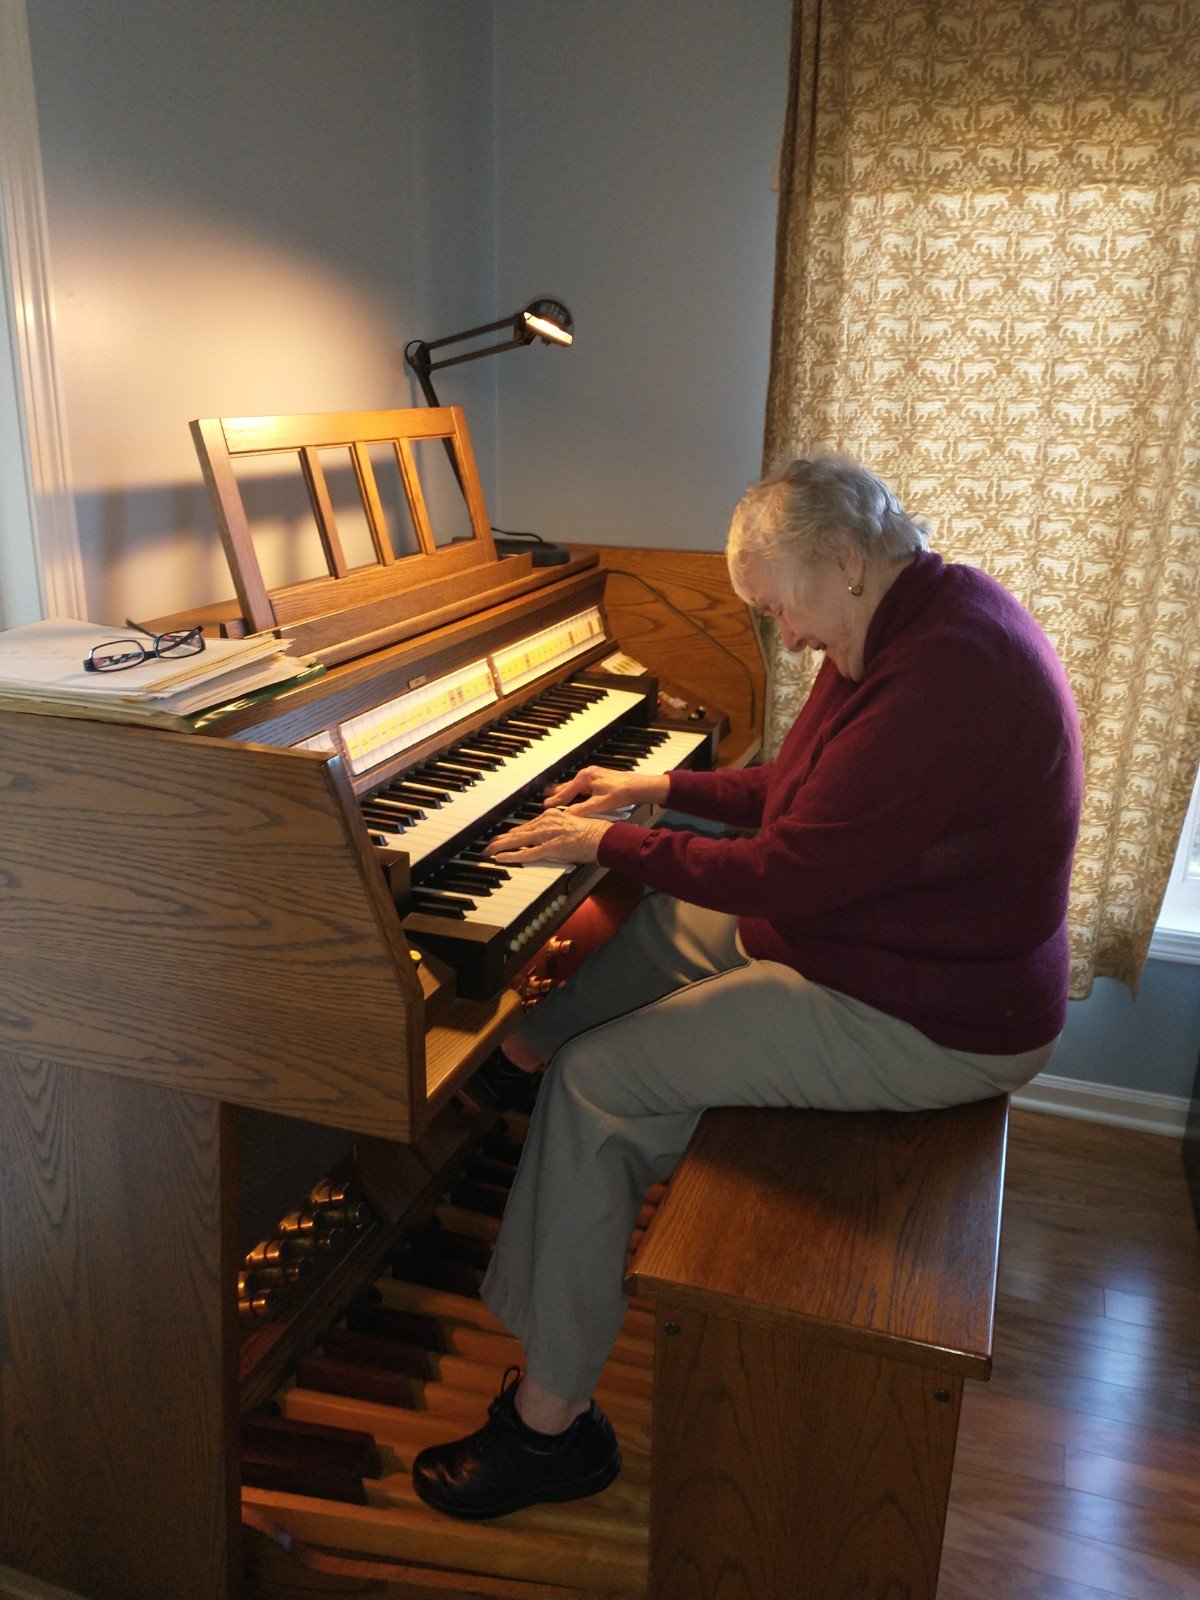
(988,290)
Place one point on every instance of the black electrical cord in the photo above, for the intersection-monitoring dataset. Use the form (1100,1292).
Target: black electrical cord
(624,572)
(512,533)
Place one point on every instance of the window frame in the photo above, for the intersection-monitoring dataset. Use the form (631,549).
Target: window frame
(1176,935)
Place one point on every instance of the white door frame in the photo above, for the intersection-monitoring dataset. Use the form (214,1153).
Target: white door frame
(41,573)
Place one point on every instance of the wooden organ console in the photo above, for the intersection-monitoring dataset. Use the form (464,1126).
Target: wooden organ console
(229,1094)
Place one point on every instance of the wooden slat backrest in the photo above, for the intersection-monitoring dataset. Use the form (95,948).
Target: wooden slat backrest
(222,442)
(205,916)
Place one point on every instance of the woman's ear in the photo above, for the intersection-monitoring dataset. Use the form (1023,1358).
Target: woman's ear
(851,563)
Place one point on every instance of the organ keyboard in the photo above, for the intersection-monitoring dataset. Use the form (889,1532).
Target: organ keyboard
(481,917)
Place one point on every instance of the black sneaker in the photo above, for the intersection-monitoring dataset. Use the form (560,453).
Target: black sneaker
(504,1086)
(506,1465)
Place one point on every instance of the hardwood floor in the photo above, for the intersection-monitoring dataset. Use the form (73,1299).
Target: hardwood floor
(1078,1468)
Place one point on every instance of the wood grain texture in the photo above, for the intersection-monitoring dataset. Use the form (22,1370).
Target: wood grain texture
(316,609)
(688,643)
(330,604)
(206,917)
(877,1231)
(217,470)
(118,1398)
(789,1469)
(368,489)
(318,493)
(1079,1379)
(419,1535)
(444,643)
(1191,1146)
(323,429)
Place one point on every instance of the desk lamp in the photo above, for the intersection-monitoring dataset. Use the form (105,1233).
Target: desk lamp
(545,319)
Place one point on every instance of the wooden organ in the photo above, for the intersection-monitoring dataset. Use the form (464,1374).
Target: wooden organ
(229,1095)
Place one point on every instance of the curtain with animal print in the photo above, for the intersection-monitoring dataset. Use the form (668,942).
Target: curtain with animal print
(988,291)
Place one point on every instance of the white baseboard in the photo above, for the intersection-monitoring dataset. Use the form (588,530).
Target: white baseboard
(1100,1102)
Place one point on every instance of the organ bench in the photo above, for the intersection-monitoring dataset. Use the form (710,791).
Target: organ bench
(823,1282)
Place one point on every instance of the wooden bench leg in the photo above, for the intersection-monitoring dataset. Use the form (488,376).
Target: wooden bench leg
(789,1466)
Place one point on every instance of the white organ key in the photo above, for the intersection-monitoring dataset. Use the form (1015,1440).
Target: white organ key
(460,814)
(502,906)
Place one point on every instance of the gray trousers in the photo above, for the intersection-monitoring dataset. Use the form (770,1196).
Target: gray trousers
(668,1018)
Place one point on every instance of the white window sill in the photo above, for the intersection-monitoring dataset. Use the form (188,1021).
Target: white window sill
(1176,944)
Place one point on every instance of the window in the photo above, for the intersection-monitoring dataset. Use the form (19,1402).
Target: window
(1177,936)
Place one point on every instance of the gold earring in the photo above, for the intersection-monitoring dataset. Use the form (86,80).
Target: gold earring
(855,588)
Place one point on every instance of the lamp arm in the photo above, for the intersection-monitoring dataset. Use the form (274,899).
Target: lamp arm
(473,355)
(470,333)
(417,357)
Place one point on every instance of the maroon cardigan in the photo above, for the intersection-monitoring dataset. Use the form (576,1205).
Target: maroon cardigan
(915,833)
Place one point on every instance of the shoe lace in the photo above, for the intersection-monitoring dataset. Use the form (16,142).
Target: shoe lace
(512,1377)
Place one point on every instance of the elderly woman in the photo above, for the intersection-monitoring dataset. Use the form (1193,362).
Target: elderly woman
(890,937)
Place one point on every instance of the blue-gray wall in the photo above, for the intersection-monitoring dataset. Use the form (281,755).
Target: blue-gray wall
(1149,1043)
(636,143)
(253,205)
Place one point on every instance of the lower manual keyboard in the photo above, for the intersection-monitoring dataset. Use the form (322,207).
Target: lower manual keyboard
(487,921)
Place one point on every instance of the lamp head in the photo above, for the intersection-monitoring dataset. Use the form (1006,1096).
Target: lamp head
(547,320)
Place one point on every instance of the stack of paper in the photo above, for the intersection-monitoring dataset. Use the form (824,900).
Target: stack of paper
(42,665)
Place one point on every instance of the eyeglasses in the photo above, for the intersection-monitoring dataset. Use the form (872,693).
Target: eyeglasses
(117,654)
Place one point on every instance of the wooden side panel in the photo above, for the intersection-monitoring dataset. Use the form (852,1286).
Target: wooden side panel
(675,612)
(878,1231)
(203,916)
(116,1307)
(784,1466)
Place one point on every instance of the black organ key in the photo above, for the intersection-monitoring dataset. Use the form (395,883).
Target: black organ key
(481,761)
(418,793)
(448,772)
(451,897)
(389,806)
(466,875)
(437,908)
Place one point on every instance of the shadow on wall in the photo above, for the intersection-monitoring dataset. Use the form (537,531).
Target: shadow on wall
(124,531)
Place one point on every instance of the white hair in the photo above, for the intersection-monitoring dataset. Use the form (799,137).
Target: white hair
(810,510)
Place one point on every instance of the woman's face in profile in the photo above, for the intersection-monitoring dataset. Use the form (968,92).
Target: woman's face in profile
(813,608)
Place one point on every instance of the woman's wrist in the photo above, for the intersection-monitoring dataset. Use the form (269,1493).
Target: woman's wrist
(654,788)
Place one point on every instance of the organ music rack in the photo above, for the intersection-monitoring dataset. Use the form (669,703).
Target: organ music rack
(210,1002)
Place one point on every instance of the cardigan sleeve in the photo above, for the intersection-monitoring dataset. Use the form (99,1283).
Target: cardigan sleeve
(898,775)
(735,796)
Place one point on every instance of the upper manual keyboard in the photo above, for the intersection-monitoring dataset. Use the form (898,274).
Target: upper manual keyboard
(452,796)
